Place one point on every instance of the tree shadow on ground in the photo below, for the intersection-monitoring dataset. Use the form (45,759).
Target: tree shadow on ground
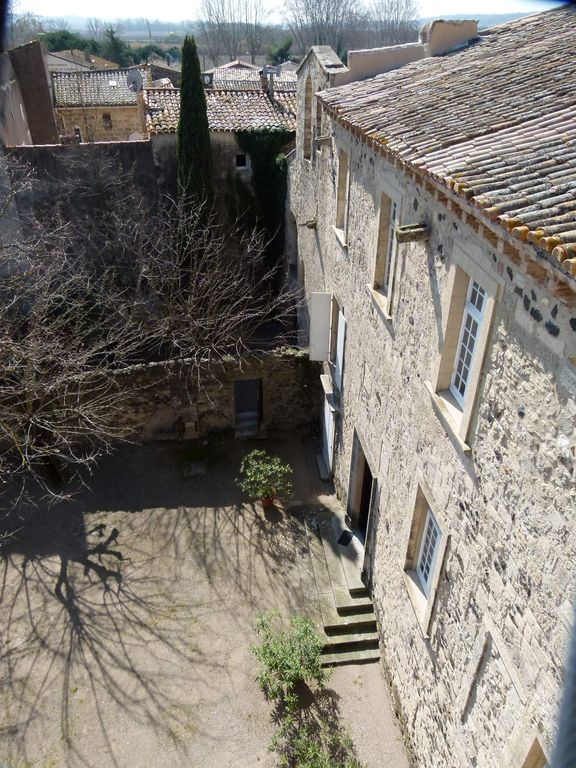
(81,615)
(312,732)
(89,600)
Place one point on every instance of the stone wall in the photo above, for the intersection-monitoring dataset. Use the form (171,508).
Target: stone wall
(134,156)
(125,122)
(161,395)
(481,678)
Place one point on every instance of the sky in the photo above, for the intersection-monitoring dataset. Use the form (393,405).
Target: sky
(178,10)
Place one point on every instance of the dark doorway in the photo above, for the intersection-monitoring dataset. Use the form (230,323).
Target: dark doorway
(362,492)
(365,500)
(248,406)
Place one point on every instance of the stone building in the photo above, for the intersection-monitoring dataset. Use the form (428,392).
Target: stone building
(237,100)
(99,105)
(434,216)
(76,60)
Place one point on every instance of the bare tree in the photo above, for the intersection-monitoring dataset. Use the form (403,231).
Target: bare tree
(256,30)
(233,27)
(95,29)
(221,26)
(104,279)
(22,28)
(319,22)
(393,21)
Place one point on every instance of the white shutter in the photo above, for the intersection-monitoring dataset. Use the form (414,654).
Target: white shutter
(340,342)
(320,306)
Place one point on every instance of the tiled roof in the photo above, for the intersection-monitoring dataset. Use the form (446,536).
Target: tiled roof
(96,88)
(249,79)
(227,110)
(236,64)
(495,122)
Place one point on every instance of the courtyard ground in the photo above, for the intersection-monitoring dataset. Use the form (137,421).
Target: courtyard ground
(128,615)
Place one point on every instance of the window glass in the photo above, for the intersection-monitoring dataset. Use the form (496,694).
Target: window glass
(428,552)
(468,338)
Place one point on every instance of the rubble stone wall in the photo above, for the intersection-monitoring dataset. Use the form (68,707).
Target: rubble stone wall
(482,679)
(160,395)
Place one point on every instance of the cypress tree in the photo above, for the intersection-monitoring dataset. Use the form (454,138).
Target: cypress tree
(194,152)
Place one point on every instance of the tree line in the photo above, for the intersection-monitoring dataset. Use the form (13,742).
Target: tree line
(230,29)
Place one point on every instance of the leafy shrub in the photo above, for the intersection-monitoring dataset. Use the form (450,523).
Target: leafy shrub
(263,476)
(313,746)
(287,656)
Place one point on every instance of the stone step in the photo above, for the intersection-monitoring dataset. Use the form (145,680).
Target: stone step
(334,622)
(366,656)
(319,565)
(366,623)
(333,562)
(357,642)
(347,604)
(350,556)
(359,591)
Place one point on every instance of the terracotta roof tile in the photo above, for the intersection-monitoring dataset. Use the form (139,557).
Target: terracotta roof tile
(495,122)
(228,78)
(227,110)
(95,88)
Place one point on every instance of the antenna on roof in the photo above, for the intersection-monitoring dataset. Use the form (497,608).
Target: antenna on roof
(134,80)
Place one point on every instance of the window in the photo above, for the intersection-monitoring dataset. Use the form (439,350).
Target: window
(424,555)
(241,160)
(338,340)
(465,334)
(386,249)
(342,196)
(308,119)
(107,120)
(328,334)
(468,341)
(428,552)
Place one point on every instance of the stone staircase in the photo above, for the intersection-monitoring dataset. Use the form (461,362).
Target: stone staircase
(346,612)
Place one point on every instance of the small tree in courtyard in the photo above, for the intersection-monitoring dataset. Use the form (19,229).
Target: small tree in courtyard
(194,149)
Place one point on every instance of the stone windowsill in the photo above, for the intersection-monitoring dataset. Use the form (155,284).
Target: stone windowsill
(380,303)
(449,415)
(341,238)
(418,600)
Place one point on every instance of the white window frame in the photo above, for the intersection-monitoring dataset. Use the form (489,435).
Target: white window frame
(391,251)
(426,562)
(456,413)
(467,341)
(340,349)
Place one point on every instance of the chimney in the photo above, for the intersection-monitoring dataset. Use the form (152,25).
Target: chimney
(441,36)
(267,81)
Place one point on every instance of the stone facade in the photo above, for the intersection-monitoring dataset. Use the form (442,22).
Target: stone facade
(162,395)
(102,123)
(476,665)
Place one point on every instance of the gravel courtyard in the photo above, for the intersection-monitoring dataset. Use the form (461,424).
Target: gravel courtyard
(128,615)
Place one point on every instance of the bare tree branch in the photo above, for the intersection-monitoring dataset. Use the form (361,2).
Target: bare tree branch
(103,279)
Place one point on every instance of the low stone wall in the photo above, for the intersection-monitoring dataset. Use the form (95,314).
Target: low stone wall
(163,398)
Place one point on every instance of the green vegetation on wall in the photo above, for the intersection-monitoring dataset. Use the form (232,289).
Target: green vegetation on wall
(264,203)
